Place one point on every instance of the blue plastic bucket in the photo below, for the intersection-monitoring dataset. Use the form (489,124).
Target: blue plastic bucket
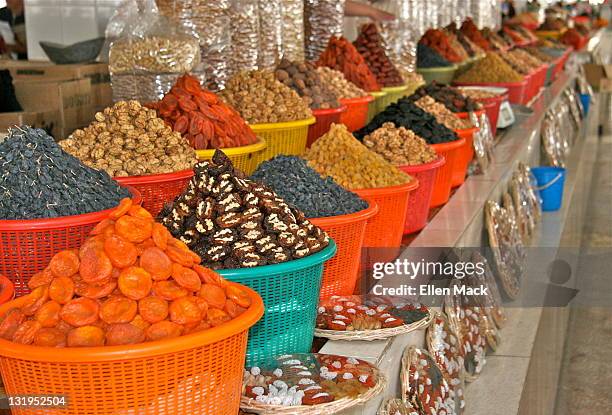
(586,102)
(550,185)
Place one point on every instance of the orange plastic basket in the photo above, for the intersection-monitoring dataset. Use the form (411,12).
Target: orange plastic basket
(7,290)
(158,189)
(420,199)
(465,155)
(27,246)
(385,230)
(324,119)
(356,114)
(340,273)
(200,373)
(444,178)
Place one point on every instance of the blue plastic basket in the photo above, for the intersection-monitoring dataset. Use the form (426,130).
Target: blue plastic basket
(290,292)
(586,102)
(550,185)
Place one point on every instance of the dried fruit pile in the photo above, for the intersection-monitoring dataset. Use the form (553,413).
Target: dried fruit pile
(437,40)
(129,139)
(370,45)
(130,282)
(299,185)
(40,180)
(405,113)
(337,82)
(308,379)
(352,313)
(452,98)
(443,115)
(339,155)
(341,55)
(496,41)
(492,68)
(521,61)
(429,58)
(201,117)
(477,94)
(399,146)
(261,98)
(538,53)
(234,222)
(304,79)
(469,29)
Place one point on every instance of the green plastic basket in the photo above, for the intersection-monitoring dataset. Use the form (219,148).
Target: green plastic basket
(290,292)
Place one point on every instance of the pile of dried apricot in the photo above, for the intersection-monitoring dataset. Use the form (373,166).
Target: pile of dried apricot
(130,282)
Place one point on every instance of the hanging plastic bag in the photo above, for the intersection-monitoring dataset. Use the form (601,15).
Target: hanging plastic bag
(323,19)
(270,33)
(244,17)
(293,30)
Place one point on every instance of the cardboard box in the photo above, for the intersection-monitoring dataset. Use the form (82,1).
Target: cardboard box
(71,98)
(598,76)
(47,120)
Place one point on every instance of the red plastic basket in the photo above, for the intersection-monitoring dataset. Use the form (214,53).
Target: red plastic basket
(516,90)
(420,199)
(27,246)
(7,290)
(541,77)
(356,114)
(158,189)
(444,178)
(324,119)
(385,230)
(464,155)
(492,106)
(340,273)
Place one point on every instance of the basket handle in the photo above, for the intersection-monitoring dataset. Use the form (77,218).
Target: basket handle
(550,183)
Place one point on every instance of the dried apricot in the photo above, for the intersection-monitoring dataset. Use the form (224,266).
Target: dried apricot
(140,322)
(185,310)
(80,312)
(118,309)
(179,256)
(135,283)
(49,337)
(48,315)
(203,325)
(186,277)
(125,333)
(217,317)
(233,309)
(134,229)
(40,278)
(140,212)
(61,289)
(121,252)
(141,247)
(214,295)
(26,332)
(95,266)
(86,336)
(35,300)
(99,228)
(160,235)
(122,209)
(64,264)
(95,242)
(83,289)
(183,247)
(209,276)
(153,309)
(238,295)
(202,304)
(157,263)
(63,326)
(164,330)
(169,290)
(10,323)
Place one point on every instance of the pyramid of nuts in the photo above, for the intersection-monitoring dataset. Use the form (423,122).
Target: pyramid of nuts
(129,139)
(399,146)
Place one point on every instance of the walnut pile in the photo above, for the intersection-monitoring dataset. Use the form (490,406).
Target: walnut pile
(129,139)
(261,98)
(399,146)
(338,83)
(443,115)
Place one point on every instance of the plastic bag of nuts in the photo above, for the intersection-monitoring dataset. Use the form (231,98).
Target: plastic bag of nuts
(303,78)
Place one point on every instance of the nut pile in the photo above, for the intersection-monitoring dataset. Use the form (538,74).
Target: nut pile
(341,55)
(399,146)
(154,54)
(260,98)
(492,68)
(130,282)
(405,113)
(477,94)
(129,139)
(234,222)
(521,63)
(337,82)
(201,117)
(303,78)
(339,155)
(538,53)
(443,115)
(39,180)
(429,58)
(369,44)
(300,186)
(452,98)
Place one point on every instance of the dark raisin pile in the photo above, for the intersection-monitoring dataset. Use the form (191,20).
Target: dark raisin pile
(300,185)
(449,96)
(234,222)
(39,180)
(429,58)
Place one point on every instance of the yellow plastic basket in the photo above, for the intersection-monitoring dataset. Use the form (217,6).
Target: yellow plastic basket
(376,105)
(394,94)
(244,158)
(282,138)
(411,88)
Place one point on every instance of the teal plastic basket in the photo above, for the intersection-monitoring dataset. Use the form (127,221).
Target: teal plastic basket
(290,292)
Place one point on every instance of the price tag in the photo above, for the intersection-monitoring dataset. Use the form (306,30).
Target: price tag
(506,115)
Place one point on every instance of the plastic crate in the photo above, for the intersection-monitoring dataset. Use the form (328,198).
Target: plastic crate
(287,138)
(324,119)
(444,178)
(243,158)
(356,114)
(290,292)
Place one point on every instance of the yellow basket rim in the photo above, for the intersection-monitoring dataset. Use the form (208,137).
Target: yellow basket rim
(438,69)
(392,89)
(378,94)
(282,125)
(234,151)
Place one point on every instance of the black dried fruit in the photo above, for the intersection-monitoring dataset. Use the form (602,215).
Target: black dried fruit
(451,97)
(429,58)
